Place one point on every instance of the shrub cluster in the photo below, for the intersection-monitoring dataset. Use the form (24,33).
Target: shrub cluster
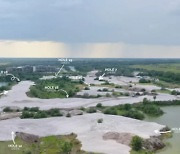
(35,113)
(136,143)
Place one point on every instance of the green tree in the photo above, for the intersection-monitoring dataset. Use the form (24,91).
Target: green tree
(154,97)
(136,143)
(67,147)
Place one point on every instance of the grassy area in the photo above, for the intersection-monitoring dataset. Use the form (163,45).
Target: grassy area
(67,144)
(165,91)
(167,103)
(167,84)
(136,111)
(168,74)
(63,84)
(152,84)
(163,84)
(175,68)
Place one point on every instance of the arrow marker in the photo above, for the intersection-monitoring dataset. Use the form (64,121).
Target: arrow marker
(65,92)
(13,77)
(101,77)
(13,135)
(4,92)
(56,74)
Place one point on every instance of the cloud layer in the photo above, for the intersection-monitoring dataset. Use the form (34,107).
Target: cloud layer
(85,50)
(90,28)
(91,21)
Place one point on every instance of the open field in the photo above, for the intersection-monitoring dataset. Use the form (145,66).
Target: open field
(175,68)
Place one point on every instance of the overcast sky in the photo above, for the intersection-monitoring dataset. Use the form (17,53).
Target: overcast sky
(90,28)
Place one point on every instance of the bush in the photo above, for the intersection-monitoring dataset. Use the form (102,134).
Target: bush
(99,105)
(34,109)
(143,90)
(127,106)
(54,112)
(86,88)
(126,94)
(145,101)
(134,114)
(26,109)
(40,114)
(98,95)
(108,95)
(91,110)
(35,113)
(117,86)
(116,94)
(105,89)
(100,120)
(7,109)
(82,108)
(67,147)
(152,110)
(153,91)
(144,81)
(136,143)
(174,92)
(26,114)
(106,83)
(68,115)
(110,111)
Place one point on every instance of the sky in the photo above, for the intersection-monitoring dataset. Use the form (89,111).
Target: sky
(90,28)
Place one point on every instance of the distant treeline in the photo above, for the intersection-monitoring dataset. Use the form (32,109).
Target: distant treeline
(87,64)
(165,76)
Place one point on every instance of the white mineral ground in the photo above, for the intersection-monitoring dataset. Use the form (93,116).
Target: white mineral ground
(17,97)
(89,132)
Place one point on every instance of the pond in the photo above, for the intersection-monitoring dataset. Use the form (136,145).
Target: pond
(171,118)
(3,84)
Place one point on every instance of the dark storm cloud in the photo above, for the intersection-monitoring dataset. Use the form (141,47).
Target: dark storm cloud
(78,21)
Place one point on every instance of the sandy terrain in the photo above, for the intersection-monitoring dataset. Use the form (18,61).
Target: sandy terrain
(89,132)
(119,80)
(148,88)
(94,91)
(17,97)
